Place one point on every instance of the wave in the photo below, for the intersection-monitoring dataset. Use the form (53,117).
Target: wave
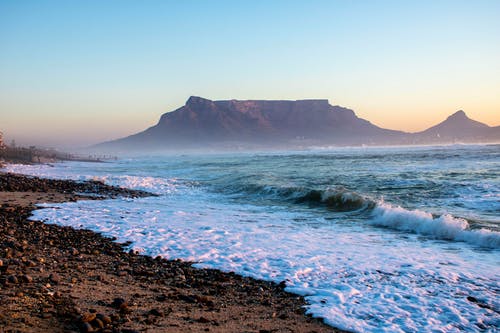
(335,198)
(446,226)
(380,213)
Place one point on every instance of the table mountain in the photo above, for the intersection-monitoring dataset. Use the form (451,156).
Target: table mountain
(255,124)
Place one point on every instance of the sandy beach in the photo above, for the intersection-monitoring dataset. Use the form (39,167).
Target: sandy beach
(58,279)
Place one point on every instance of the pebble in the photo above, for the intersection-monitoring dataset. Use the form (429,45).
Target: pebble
(119,303)
(12,279)
(105,319)
(30,263)
(156,312)
(27,278)
(54,278)
(97,323)
(88,317)
(86,328)
(203,320)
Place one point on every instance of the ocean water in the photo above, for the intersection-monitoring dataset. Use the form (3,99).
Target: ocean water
(376,239)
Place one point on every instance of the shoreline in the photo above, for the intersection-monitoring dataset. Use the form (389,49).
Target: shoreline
(59,279)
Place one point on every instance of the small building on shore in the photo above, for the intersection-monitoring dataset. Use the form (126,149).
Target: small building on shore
(2,145)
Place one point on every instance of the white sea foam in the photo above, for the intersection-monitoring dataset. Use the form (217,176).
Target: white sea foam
(70,170)
(361,280)
(443,227)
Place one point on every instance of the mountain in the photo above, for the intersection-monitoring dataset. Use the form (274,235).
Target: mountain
(458,128)
(203,123)
(255,124)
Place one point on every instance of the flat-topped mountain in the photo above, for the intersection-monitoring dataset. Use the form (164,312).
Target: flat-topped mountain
(252,123)
(202,123)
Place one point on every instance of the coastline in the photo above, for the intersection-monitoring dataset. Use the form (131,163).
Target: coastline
(59,279)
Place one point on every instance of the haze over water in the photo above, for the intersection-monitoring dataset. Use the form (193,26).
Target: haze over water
(378,239)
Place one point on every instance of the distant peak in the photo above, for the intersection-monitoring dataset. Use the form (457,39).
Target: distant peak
(458,115)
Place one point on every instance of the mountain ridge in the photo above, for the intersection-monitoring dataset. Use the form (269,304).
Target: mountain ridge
(226,124)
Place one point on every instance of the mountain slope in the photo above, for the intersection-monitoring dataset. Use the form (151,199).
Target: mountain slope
(202,122)
(458,128)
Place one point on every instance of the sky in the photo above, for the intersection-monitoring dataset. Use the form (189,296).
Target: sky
(74,73)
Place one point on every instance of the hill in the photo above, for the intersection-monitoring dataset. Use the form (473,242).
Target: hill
(458,128)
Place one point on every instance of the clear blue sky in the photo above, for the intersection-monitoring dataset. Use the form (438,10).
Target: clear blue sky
(85,71)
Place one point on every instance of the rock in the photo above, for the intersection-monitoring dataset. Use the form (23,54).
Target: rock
(205,300)
(27,278)
(86,328)
(12,279)
(119,303)
(88,317)
(203,320)
(30,263)
(97,323)
(180,275)
(105,319)
(156,313)
(54,278)
(187,298)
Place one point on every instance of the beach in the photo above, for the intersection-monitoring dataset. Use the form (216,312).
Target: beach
(59,279)
(375,248)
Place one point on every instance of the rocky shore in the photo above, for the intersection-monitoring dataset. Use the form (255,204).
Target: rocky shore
(58,279)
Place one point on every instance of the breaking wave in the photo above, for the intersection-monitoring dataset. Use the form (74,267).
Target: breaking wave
(335,198)
(381,214)
(446,226)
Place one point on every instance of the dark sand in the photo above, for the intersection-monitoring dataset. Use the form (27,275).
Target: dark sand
(58,279)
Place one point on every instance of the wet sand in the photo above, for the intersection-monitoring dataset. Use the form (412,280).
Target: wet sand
(58,279)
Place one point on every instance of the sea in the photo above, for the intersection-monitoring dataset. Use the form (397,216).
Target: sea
(399,239)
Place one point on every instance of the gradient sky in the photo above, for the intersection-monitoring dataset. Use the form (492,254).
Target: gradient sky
(80,72)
